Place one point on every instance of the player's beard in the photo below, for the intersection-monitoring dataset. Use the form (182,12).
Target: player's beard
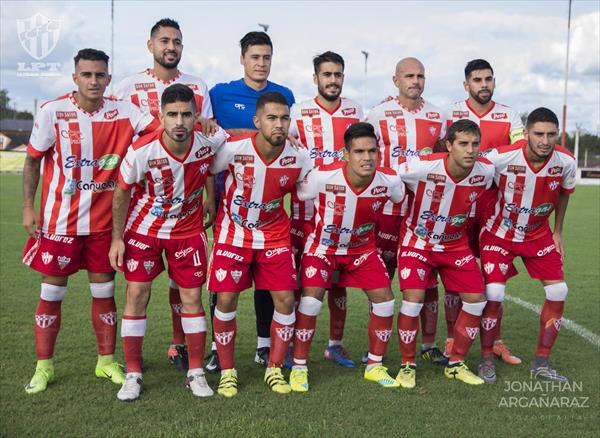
(275,143)
(329,97)
(179,138)
(481,100)
(168,65)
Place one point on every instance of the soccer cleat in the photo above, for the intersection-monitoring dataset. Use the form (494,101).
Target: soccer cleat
(541,368)
(288,361)
(262,356)
(448,347)
(274,378)
(132,387)
(434,355)
(380,375)
(228,383)
(487,369)
(407,376)
(196,381)
(178,356)
(299,379)
(212,365)
(112,371)
(502,351)
(339,355)
(461,372)
(44,374)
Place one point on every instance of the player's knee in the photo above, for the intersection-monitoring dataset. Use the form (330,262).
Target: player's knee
(475,309)
(495,291)
(384,309)
(103,290)
(409,308)
(557,291)
(310,306)
(51,292)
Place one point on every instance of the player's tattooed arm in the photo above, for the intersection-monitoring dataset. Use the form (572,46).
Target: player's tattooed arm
(559,218)
(31,178)
(234,132)
(209,207)
(120,205)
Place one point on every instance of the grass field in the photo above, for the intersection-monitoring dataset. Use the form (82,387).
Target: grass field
(340,402)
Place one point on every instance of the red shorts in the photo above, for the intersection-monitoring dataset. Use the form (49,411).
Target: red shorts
(433,274)
(61,256)
(232,269)
(540,257)
(387,238)
(364,271)
(299,231)
(186,259)
(458,269)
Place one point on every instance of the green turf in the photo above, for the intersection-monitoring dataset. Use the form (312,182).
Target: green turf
(340,402)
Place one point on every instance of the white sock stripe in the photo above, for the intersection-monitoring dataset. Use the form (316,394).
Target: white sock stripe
(262,342)
(384,309)
(556,292)
(309,306)
(375,358)
(103,290)
(495,291)
(50,292)
(172,284)
(475,309)
(409,308)
(284,319)
(224,316)
(133,327)
(195,324)
(300,361)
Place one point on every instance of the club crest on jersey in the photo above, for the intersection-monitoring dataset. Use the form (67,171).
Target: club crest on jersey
(304,335)
(553,185)
(460,114)
(436,178)
(503,268)
(145,86)
(379,190)
(324,274)
(47,257)
(555,170)
(383,335)
(451,300)
(236,275)
(63,261)
(404,273)
(476,179)
(393,113)
(109,318)
(243,159)
(375,206)
(285,333)
(472,332)
(349,111)
(421,274)
(286,161)
(513,168)
(283,180)
(224,338)
(132,265)
(488,323)
(66,115)
(335,188)
(309,112)
(157,163)
(432,115)
(109,115)
(499,116)
(204,168)
(432,131)
(148,265)
(310,272)
(45,321)
(220,274)
(407,336)
(488,268)
(340,302)
(202,152)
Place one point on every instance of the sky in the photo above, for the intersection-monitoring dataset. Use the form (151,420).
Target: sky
(524,41)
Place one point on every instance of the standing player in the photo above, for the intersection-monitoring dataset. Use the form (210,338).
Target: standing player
(534,177)
(320,124)
(500,125)
(252,235)
(145,90)
(442,187)
(408,126)
(81,138)
(172,166)
(234,108)
(344,240)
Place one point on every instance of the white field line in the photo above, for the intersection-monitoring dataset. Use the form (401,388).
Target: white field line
(589,336)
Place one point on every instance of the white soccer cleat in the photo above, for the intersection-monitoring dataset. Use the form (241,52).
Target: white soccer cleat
(196,381)
(132,387)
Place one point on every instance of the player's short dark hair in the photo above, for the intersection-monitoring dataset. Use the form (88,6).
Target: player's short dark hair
(91,55)
(327,57)
(164,22)
(477,64)
(271,97)
(462,125)
(541,114)
(255,39)
(358,130)
(177,93)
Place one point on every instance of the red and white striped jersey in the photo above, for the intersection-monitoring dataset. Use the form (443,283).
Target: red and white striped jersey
(170,203)
(344,217)
(145,90)
(405,133)
(526,196)
(500,125)
(251,214)
(439,203)
(82,153)
(322,132)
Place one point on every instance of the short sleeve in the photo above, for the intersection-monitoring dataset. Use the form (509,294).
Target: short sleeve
(307,188)
(569,177)
(43,134)
(516,127)
(221,161)
(293,131)
(143,123)
(129,172)
(397,189)
(307,164)
(206,110)
(120,91)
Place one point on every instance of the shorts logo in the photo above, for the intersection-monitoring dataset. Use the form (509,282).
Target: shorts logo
(488,323)
(432,307)
(545,251)
(276,251)
(340,303)
(109,318)
(383,335)
(286,161)
(404,273)
(283,180)
(376,205)
(177,308)
(463,261)
(197,259)
(349,111)
(407,336)
(63,261)
(553,185)
(324,274)
(472,332)
(224,338)
(230,255)
(148,265)
(139,245)
(421,274)
(183,252)
(503,268)
(198,274)
(47,257)
(220,274)
(236,275)
(45,321)
(310,272)
(488,267)
(285,333)
(451,300)
(361,259)
(132,265)
(304,334)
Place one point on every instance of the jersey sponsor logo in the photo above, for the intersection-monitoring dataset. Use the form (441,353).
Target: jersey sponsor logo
(399,151)
(451,300)
(338,209)
(460,114)
(464,260)
(489,268)
(545,251)
(407,336)
(157,163)
(421,274)
(105,162)
(148,265)
(516,169)
(220,274)
(239,106)
(236,275)
(183,252)
(283,180)
(335,188)
(524,228)
(555,170)
(472,332)
(276,251)
(238,219)
(334,244)
(60,239)
(95,186)
(109,318)
(436,178)
(269,207)
(349,111)
(202,152)
(315,129)
(503,268)
(75,137)
(387,236)
(358,261)
(414,254)
(340,302)
(495,248)
(63,261)
(553,185)
(488,323)
(160,212)
(318,153)
(109,115)
(162,199)
(499,116)
(541,210)
(376,205)
(422,232)
(405,273)
(286,161)
(66,115)
(304,335)
(379,190)
(434,194)
(285,333)
(383,335)
(476,179)
(132,265)
(145,86)
(516,186)
(432,115)
(456,221)
(243,159)
(359,231)
(137,244)
(393,113)
(44,320)
(309,112)
(224,338)
(248,181)
(47,257)
(310,271)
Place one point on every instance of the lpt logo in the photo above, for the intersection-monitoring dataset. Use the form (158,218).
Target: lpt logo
(38,36)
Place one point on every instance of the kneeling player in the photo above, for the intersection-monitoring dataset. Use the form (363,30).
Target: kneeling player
(173,164)
(348,197)
(442,188)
